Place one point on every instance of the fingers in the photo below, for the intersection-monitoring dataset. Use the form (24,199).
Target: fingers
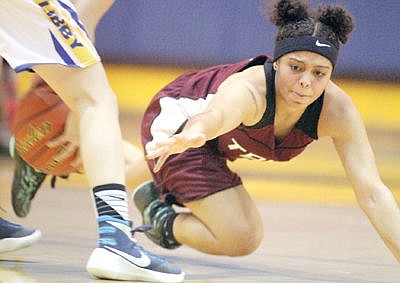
(58,141)
(161,150)
(159,155)
(70,151)
(160,162)
(77,162)
(66,151)
(198,140)
(153,154)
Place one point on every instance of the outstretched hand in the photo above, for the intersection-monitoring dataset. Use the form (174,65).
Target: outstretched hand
(178,143)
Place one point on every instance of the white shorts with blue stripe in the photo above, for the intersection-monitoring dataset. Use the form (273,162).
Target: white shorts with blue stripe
(34,32)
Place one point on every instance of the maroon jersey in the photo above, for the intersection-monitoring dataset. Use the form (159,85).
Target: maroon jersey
(258,141)
(199,172)
(186,96)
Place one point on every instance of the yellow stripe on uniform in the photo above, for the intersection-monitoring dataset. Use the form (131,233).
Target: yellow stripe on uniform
(71,33)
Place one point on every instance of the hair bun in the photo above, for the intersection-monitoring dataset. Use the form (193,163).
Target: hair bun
(338,20)
(286,11)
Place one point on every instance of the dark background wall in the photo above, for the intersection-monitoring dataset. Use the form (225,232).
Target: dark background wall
(196,33)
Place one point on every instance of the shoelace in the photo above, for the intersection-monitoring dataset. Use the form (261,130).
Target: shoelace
(54,178)
(141,229)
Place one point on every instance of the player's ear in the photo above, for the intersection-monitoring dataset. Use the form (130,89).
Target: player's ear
(275,66)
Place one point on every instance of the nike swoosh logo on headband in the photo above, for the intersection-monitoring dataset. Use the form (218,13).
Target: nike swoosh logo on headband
(319,44)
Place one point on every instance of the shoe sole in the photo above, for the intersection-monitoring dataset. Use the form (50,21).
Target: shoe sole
(12,244)
(104,264)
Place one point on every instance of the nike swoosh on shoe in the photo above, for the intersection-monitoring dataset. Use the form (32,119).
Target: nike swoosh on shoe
(142,261)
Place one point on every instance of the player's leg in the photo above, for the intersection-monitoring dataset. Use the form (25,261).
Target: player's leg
(222,213)
(223,223)
(136,170)
(8,104)
(85,89)
(89,96)
(27,180)
(25,184)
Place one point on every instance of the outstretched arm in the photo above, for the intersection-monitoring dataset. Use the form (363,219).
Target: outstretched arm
(236,101)
(373,196)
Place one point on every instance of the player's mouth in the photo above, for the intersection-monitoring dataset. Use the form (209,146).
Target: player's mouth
(298,97)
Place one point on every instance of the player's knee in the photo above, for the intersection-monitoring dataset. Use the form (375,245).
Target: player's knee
(107,100)
(100,102)
(244,241)
(368,200)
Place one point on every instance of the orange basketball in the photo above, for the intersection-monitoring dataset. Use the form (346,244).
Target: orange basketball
(41,117)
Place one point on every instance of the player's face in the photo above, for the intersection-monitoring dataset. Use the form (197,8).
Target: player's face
(301,77)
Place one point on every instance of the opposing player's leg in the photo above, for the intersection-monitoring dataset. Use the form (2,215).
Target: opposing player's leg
(8,104)
(234,229)
(27,180)
(88,94)
(25,184)
(14,236)
(119,257)
(68,62)
(136,170)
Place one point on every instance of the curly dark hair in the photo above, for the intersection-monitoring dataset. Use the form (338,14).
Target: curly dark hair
(294,18)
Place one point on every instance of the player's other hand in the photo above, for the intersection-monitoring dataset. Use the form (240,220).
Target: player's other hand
(69,142)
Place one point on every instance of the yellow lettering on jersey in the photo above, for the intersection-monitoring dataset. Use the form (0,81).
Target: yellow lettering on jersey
(70,32)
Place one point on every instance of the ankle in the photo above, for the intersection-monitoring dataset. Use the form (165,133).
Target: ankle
(111,200)
(162,217)
(111,229)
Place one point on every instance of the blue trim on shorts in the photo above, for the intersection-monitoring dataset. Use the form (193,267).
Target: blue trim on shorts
(74,15)
(28,67)
(24,67)
(60,50)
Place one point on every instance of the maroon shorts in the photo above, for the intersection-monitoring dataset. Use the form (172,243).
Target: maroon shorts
(193,174)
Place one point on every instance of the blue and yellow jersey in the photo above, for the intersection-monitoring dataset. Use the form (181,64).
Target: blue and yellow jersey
(45,32)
